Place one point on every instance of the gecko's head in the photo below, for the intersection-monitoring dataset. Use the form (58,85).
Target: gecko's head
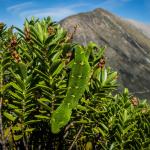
(55,130)
(55,126)
(60,118)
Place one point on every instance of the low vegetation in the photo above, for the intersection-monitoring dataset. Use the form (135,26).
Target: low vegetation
(55,94)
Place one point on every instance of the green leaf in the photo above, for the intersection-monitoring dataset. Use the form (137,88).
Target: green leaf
(58,68)
(17,137)
(49,39)
(42,117)
(37,42)
(30,106)
(104,126)
(89,146)
(80,107)
(112,146)
(44,76)
(29,129)
(120,128)
(95,130)
(44,105)
(98,130)
(126,91)
(16,128)
(19,81)
(9,116)
(17,102)
(18,112)
(44,87)
(15,95)
(12,106)
(35,34)
(129,127)
(29,80)
(125,116)
(32,122)
(23,70)
(56,56)
(40,32)
(111,77)
(6,66)
(102,132)
(103,75)
(19,30)
(45,100)
(15,86)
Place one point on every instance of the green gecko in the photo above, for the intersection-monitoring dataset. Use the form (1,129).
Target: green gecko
(78,81)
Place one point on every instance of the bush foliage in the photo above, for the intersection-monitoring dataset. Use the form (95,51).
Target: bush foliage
(55,94)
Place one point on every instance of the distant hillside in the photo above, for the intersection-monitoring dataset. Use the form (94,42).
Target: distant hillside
(128,49)
(145,29)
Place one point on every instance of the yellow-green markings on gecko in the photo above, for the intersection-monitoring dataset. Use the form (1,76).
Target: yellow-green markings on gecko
(78,82)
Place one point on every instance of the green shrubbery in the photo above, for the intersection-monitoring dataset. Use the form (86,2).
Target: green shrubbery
(56,94)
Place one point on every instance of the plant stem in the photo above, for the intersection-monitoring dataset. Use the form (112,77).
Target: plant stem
(70,148)
(1,126)
(1,102)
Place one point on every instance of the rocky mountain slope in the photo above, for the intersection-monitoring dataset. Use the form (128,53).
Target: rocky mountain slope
(128,49)
(144,28)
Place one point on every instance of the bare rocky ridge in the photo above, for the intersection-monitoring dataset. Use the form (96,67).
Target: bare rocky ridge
(144,28)
(128,49)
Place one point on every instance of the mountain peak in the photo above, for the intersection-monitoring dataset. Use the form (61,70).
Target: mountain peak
(102,11)
(128,49)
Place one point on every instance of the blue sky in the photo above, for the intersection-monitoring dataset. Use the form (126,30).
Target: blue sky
(14,11)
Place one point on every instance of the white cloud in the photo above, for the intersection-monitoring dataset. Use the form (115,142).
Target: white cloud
(27,9)
(78,5)
(56,13)
(112,4)
(19,7)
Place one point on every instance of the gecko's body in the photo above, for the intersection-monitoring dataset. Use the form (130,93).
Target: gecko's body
(78,82)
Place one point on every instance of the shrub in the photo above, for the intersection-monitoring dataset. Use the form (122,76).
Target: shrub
(55,94)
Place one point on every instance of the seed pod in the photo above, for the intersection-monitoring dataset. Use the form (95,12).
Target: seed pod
(135,101)
(16,56)
(144,110)
(13,42)
(50,30)
(27,34)
(101,63)
(1,26)
(70,36)
(69,54)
